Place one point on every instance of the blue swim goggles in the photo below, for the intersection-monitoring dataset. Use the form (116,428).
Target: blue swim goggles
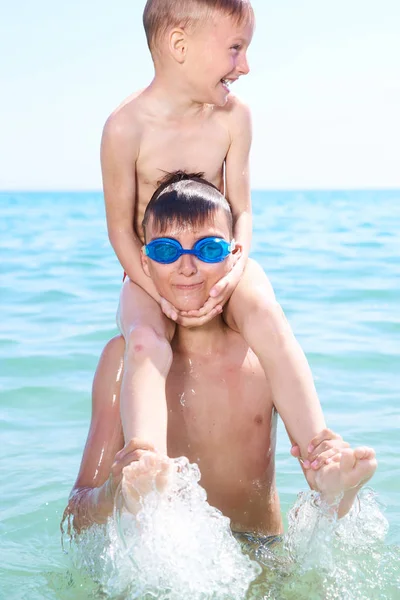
(208,250)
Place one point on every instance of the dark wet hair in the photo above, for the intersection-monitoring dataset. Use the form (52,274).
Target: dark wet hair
(185,199)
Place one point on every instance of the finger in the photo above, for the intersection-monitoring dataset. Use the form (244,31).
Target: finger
(325,434)
(134,444)
(337,444)
(334,459)
(347,460)
(198,322)
(168,309)
(207,307)
(324,458)
(201,312)
(219,287)
(363,452)
(126,460)
(167,304)
(170,314)
(295,451)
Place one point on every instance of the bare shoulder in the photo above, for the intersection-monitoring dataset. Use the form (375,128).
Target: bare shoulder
(114,350)
(237,116)
(107,378)
(124,123)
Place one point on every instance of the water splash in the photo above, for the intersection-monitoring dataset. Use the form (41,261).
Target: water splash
(312,528)
(178,546)
(323,558)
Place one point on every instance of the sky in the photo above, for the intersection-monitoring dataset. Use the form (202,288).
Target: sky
(324,90)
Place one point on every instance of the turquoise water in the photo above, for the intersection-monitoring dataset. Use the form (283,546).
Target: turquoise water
(333,260)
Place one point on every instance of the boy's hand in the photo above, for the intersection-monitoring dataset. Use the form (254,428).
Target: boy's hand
(219,295)
(207,312)
(323,448)
(351,472)
(224,288)
(169,310)
(132,451)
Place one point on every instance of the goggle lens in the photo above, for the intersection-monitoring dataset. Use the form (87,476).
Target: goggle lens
(211,250)
(168,250)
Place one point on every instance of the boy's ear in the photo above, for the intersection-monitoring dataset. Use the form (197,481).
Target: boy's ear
(178,44)
(145,262)
(237,252)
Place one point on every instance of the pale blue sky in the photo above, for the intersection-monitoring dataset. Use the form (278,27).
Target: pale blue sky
(324,89)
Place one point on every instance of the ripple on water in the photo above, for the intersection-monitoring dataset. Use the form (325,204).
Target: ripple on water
(333,260)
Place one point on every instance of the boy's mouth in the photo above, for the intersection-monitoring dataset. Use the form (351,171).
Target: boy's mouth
(226,82)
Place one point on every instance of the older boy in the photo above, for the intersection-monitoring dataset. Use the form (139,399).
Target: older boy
(222,409)
(187,119)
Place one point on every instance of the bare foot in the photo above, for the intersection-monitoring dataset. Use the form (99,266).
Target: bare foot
(351,469)
(151,472)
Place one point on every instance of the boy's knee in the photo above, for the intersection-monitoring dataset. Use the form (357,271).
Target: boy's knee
(143,341)
(267,317)
(265,308)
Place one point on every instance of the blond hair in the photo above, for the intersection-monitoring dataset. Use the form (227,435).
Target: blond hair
(161,15)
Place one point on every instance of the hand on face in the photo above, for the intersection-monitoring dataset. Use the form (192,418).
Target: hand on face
(219,295)
(185,284)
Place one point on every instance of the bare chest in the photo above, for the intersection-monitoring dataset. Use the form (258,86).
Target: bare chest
(197,148)
(213,404)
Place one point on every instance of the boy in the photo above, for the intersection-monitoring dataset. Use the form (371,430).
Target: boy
(227,420)
(186,119)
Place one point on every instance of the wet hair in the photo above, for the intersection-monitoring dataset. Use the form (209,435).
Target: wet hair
(184,199)
(161,15)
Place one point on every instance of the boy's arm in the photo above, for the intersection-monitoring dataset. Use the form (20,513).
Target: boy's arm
(237,191)
(333,469)
(237,176)
(119,151)
(92,497)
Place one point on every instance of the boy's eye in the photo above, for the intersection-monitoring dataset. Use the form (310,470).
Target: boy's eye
(236,47)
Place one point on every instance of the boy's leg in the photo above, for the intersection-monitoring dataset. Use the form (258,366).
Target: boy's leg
(254,312)
(148,358)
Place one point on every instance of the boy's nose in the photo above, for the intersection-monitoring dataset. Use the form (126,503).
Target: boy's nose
(187,265)
(244,68)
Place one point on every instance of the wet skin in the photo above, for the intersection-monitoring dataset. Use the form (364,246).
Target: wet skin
(220,408)
(220,415)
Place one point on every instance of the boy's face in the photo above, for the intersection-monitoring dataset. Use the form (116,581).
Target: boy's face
(216,57)
(187,282)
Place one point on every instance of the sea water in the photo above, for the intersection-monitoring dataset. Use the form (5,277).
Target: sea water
(333,260)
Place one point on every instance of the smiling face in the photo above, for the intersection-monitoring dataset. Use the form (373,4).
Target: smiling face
(187,282)
(216,57)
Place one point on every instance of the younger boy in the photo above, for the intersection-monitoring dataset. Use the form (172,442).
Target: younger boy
(187,119)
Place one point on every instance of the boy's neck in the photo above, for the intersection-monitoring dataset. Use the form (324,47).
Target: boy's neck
(172,98)
(205,340)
